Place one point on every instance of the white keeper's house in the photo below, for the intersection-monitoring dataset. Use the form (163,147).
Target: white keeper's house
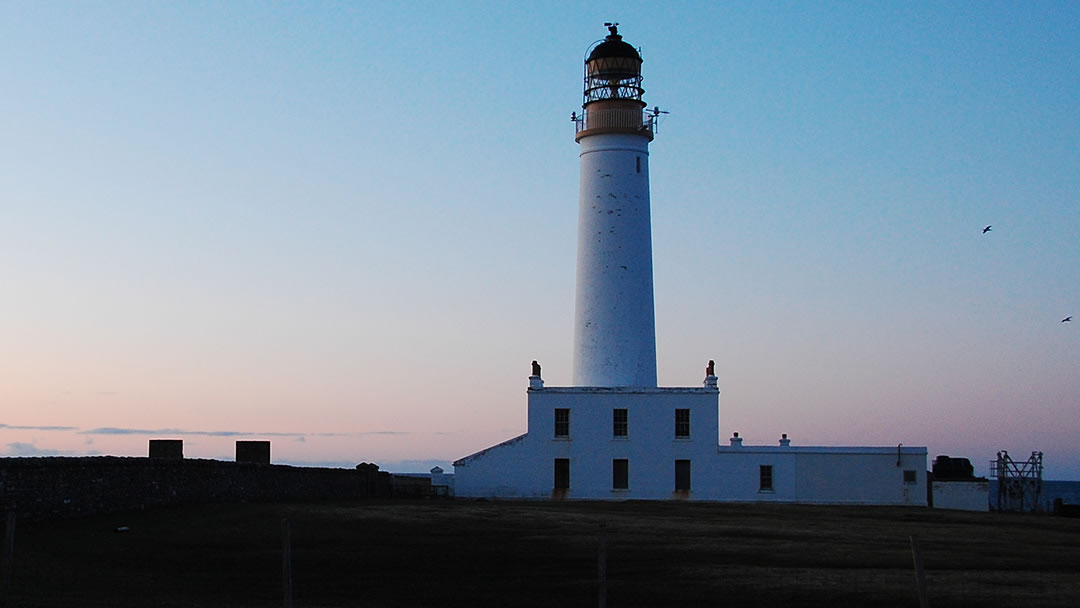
(615,434)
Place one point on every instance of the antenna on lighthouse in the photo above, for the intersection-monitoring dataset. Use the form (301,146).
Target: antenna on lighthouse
(652,117)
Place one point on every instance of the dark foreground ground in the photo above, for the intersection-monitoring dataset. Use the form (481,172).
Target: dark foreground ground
(465,553)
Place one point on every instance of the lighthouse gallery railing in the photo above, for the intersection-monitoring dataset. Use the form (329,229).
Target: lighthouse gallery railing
(618,118)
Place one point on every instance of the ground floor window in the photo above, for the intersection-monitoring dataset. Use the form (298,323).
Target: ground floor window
(682,475)
(562,473)
(620,474)
(766,478)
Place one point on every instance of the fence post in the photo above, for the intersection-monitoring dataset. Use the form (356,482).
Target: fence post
(920,574)
(601,567)
(7,557)
(286,563)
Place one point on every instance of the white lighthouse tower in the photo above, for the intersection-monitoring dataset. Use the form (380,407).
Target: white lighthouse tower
(614,327)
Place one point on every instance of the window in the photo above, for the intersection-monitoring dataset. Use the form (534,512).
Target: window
(562,422)
(562,473)
(620,474)
(639,164)
(909,477)
(619,421)
(682,475)
(766,478)
(682,423)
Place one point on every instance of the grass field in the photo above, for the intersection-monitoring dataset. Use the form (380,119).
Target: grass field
(467,553)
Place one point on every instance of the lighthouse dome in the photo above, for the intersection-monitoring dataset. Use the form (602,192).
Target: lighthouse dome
(614,46)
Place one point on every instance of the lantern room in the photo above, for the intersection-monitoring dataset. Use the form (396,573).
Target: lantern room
(613,70)
(612,94)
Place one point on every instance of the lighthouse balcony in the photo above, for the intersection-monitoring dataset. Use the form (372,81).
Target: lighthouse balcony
(633,120)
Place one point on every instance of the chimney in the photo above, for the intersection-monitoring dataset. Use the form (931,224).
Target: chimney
(784,441)
(736,441)
(535,381)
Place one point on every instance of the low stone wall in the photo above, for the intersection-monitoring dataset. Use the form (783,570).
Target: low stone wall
(50,488)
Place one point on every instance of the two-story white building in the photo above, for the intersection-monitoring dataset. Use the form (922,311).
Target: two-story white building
(660,443)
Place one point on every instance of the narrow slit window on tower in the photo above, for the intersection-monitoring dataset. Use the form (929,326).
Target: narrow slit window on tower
(620,474)
(682,423)
(620,423)
(562,422)
(639,164)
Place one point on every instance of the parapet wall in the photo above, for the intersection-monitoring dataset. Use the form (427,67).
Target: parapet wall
(50,488)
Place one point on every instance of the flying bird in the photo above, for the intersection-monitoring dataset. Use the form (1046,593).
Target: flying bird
(987,229)
(1066,319)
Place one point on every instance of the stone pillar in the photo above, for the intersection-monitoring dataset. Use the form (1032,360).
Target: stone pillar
(169,449)
(253,451)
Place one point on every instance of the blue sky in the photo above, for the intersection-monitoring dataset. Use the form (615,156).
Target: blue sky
(349,227)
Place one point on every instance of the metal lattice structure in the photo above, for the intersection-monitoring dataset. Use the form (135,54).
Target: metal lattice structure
(1019,484)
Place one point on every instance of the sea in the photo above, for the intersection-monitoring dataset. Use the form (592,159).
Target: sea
(1067,491)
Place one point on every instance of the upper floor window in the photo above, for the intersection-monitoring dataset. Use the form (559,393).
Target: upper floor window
(682,423)
(619,421)
(562,422)
(909,476)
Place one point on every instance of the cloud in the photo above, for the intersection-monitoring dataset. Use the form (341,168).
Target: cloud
(112,430)
(359,434)
(29,449)
(14,427)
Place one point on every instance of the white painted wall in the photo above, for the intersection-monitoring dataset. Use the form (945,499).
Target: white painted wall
(524,466)
(961,495)
(614,326)
(511,469)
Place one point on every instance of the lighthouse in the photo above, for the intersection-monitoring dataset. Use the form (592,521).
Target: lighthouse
(614,321)
(614,434)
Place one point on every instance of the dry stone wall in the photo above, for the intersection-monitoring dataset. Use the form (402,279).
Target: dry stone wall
(50,488)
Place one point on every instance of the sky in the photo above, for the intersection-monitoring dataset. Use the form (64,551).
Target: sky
(349,228)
